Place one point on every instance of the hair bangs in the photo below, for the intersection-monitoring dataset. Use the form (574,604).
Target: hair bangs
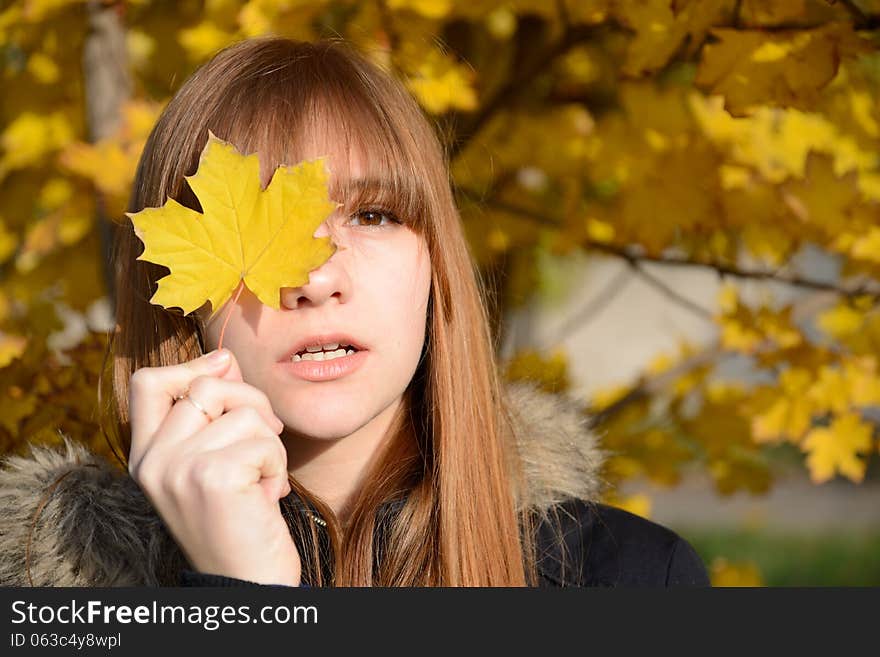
(332,114)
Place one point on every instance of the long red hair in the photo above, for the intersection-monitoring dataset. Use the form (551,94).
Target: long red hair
(449,459)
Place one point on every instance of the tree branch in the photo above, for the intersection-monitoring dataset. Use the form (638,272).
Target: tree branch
(486,199)
(646,387)
(722,269)
(517,85)
(861,20)
(664,289)
(737,14)
(107,88)
(592,308)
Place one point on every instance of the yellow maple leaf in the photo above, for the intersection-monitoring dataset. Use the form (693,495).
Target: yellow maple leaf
(841,321)
(822,199)
(440,84)
(789,411)
(787,68)
(105,163)
(829,391)
(261,237)
(660,27)
(11,347)
(862,381)
(30,137)
(867,246)
(835,448)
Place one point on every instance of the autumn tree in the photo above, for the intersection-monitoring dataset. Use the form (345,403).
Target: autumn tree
(720,135)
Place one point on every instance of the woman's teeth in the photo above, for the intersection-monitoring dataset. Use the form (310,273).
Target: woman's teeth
(322,355)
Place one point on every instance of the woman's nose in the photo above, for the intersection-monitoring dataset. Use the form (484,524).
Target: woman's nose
(330,280)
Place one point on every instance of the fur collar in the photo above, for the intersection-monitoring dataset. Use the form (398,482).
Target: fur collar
(96,528)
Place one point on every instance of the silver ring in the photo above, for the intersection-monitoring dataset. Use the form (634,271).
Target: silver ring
(194,403)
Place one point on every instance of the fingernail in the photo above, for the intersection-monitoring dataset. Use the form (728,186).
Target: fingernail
(280,425)
(218,356)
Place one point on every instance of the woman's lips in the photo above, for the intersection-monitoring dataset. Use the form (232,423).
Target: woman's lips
(326,370)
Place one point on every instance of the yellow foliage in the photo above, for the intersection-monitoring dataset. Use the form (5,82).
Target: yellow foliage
(638,503)
(11,347)
(140,47)
(43,68)
(751,143)
(770,12)
(671,197)
(751,331)
(822,199)
(660,29)
(841,321)
(689,378)
(110,164)
(440,84)
(203,40)
(788,410)
(603,398)
(725,573)
(428,8)
(55,193)
(862,381)
(104,163)
(776,142)
(598,230)
(501,23)
(867,246)
(786,68)
(30,137)
(8,242)
(829,391)
(587,11)
(15,405)
(836,448)
(864,110)
(549,372)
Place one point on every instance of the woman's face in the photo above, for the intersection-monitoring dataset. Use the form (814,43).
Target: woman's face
(375,289)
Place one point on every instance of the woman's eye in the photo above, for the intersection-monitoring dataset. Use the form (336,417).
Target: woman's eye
(374,218)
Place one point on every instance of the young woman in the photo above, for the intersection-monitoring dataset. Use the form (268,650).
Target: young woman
(398,459)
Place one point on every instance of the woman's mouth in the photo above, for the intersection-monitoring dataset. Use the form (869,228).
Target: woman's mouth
(325,365)
(324,353)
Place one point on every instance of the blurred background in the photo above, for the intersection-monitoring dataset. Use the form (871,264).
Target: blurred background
(675,205)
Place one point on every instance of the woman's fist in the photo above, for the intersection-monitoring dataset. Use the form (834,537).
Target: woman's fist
(206,452)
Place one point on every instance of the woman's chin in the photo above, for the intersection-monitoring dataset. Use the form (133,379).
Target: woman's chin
(325,424)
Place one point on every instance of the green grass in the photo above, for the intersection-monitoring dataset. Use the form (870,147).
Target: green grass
(827,559)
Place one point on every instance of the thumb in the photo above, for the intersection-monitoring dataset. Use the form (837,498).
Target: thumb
(231,371)
(214,363)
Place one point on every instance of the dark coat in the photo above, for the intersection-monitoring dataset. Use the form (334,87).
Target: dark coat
(95,527)
(602,546)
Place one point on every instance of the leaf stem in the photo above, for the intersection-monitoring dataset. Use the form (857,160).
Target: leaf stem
(229,314)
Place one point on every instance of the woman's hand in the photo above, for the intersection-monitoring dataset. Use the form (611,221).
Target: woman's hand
(215,482)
